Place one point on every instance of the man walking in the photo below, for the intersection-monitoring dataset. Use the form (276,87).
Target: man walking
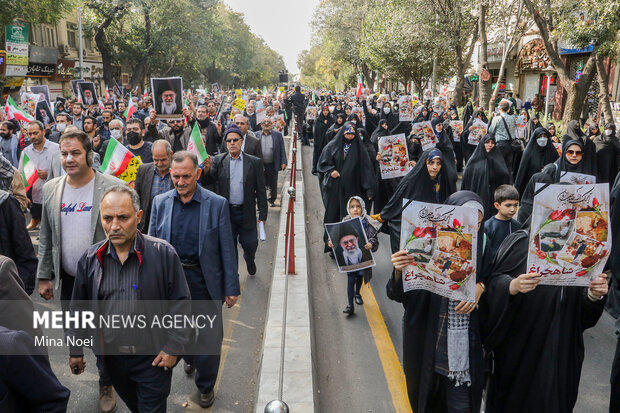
(274,157)
(119,272)
(197,224)
(238,178)
(69,225)
(153,179)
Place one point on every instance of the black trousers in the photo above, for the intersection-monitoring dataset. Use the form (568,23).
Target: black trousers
(505,148)
(247,237)
(614,399)
(143,387)
(354,285)
(271,180)
(207,365)
(66,291)
(448,398)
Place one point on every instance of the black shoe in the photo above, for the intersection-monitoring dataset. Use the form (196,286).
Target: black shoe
(251,268)
(331,255)
(189,368)
(349,310)
(358,299)
(207,399)
(272,203)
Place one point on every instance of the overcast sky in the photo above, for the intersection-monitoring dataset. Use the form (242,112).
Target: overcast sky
(283,24)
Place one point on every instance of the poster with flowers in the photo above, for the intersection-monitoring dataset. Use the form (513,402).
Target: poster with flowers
(405,108)
(424,132)
(457,129)
(477,130)
(394,161)
(570,238)
(442,243)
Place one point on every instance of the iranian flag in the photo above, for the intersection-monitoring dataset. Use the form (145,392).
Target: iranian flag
(264,90)
(195,144)
(131,109)
(29,172)
(14,112)
(116,158)
(359,88)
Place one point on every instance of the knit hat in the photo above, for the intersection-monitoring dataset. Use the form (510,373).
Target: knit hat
(233,129)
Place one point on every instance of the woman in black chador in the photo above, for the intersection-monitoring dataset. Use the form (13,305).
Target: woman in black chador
(538,153)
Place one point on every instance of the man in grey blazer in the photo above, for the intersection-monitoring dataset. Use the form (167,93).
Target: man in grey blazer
(70,224)
(274,156)
(197,224)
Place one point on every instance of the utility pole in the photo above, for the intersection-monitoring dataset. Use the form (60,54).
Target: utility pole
(434,82)
(80,50)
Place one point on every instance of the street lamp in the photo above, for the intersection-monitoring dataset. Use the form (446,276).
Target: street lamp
(548,71)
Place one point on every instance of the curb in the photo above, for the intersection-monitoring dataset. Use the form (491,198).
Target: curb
(286,361)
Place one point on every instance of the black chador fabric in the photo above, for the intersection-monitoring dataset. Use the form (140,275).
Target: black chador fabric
(535,158)
(321,125)
(421,326)
(423,116)
(484,172)
(531,126)
(587,165)
(467,148)
(372,156)
(391,117)
(380,131)
(444,144)
(536,338)
(467,113)
(574,132)
(418,186)
(356,175)
(607,155)
(334,129)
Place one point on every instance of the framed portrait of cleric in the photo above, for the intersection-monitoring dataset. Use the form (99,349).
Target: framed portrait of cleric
(43,91)
(88,93)
(74,86)
(349,239)
(43,113)
(168,97)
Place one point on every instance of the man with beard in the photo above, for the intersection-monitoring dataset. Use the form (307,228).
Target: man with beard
(168,102)
(9,143)
(212,111)
(134,134)
(78,116)
(177,133)
(88,97)
(153,179)
(348,252)
(250,113)
(62,121)
(210,131)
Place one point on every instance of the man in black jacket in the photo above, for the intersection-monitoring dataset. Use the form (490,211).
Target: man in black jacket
(238,178)
(126,268)
(15,242)
(153,179)
(299,107)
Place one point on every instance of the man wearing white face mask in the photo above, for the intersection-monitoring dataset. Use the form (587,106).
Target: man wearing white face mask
(62,121)
(116,132)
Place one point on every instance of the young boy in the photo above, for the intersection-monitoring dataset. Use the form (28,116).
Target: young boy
(501,225)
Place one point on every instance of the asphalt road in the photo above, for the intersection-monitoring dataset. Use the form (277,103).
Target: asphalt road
(350,375)
(243,337)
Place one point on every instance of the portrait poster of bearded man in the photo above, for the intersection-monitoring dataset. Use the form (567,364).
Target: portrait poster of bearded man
(348,239)
(168,97)
(44,113)
(88,93)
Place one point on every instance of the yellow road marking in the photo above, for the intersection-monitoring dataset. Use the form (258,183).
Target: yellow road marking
(387,354)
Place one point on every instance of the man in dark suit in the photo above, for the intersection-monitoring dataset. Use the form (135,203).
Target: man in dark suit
(237,177)
(251,145)
(153,179)
(197,224)
(274,156)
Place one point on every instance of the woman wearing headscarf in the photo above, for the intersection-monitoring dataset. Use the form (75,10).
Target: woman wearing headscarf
(347,172)
(335,128)
(613,299)
(607,154)
(371,150)
(442,349)
(572,160)
(390,115)
(430,180)
(322,123)
(468,112)
(423,116)
(593,131)
(535,333)
(574,132)
(338,109)
(532,124)
(538,153)
(467,148)
(485,171)
(552,132)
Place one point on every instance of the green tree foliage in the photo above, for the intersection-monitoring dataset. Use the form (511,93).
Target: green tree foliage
(201,40)
(34,11)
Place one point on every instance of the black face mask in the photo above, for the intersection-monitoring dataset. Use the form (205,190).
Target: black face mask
(133,138)
(5,135)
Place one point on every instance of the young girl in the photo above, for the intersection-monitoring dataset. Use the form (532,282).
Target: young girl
(357,208)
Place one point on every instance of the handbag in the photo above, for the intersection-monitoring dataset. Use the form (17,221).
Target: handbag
(516,144)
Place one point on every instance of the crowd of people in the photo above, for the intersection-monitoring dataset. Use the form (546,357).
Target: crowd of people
(180,221)
(171,232)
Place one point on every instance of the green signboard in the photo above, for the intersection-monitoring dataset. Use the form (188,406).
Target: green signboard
(17,33)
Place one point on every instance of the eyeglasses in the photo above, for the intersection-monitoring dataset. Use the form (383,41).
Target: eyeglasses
(233,140)
(176,121)
(239,123)
(575,153)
